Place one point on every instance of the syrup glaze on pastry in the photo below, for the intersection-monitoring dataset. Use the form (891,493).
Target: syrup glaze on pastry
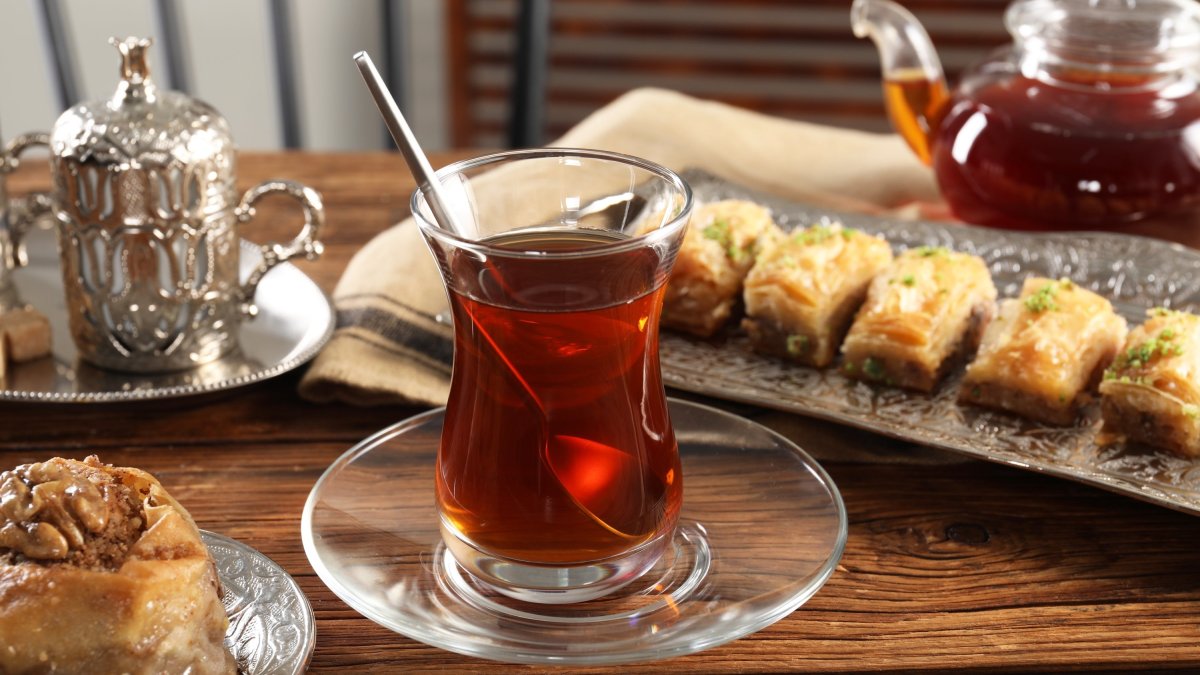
(102,571)
(1151,392)
(720,246)
(802,294)
(930,305)
(1045,350)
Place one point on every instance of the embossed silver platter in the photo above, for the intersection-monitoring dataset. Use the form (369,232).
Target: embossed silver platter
(271,626)
(1135,273)
(295,319)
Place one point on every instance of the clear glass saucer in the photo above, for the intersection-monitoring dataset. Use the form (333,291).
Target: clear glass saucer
(761,529)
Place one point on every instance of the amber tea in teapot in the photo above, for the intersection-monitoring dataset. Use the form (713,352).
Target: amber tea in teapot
(914,102)
(1090,120)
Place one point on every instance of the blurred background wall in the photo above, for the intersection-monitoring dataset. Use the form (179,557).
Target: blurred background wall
(792,58)
(232,67)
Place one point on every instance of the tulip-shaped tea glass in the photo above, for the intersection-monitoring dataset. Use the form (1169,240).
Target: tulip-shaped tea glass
(558,477)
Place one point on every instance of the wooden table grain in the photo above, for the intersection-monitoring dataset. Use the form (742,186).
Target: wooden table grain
(951,564)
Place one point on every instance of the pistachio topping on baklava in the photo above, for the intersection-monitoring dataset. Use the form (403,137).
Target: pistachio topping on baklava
(801,294)
(723,241)
(923,313)
(1044,352)
(1151,392)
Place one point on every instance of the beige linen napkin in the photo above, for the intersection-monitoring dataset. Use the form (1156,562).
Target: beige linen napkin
(389,345)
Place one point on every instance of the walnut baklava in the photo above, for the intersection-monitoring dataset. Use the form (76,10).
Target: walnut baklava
(101,571)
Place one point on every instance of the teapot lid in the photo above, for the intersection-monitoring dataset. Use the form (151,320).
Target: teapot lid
(1116,35)
(141,126)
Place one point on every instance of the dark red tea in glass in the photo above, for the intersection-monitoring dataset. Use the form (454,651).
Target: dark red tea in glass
(558,475)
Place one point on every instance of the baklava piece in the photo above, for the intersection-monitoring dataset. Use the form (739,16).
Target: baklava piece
(717,252)
(101,571)
(1151,393)
(801,294)
(927,308)
(1044,351)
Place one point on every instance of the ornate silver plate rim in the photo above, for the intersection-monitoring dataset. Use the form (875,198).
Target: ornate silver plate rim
(43,264)
(272,630)
(1136,273)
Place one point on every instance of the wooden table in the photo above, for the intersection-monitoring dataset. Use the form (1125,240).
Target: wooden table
(951,564)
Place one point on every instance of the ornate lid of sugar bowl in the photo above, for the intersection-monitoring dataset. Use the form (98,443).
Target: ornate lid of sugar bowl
(142,128)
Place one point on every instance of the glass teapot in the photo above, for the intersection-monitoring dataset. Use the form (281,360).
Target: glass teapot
(1089,120)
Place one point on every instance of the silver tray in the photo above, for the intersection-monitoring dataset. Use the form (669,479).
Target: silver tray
(271,626)
(295,319)
(1134,272)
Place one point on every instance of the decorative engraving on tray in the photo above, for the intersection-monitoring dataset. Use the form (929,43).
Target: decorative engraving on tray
(1135,273)
(270,623)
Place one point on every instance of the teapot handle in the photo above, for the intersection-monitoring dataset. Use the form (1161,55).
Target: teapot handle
(305,243)
(26,211)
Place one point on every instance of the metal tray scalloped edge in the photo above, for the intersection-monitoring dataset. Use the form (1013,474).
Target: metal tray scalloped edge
(1136,273)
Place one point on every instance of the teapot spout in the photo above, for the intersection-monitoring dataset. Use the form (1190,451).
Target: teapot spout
(914,86)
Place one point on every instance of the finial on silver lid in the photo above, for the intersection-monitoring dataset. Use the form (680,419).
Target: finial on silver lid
(135,70)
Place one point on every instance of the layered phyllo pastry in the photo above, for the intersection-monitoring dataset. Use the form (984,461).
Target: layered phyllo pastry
(717,252)
(101,571)
(1151,392)
(1044,352)
(801,294)
(926,308)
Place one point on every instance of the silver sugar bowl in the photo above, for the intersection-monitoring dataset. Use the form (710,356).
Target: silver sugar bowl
(148,225)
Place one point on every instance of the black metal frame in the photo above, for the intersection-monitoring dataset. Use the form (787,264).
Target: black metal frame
(285,73)
(174,49)
(527,97)
(61,58)
(394,16)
